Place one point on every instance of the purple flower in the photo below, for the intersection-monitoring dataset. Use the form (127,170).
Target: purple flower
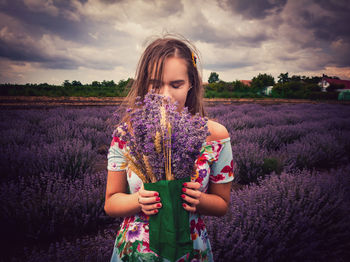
(202,173)
(134,232)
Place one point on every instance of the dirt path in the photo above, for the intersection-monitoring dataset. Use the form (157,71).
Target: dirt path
(33,101)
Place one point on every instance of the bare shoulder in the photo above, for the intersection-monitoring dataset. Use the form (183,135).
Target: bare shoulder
(217,131)
(120,130)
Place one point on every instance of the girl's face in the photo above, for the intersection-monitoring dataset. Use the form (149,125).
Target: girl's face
(175,84)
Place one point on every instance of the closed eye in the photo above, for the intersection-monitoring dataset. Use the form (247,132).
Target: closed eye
(177,83)
(174,84)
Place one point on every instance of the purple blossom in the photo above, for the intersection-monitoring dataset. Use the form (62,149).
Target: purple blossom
(188,133)
(291,217)
(202,173)
(134,232)
(52,199)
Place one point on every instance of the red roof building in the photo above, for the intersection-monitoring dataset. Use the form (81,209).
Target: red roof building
(246,82)
(326,82)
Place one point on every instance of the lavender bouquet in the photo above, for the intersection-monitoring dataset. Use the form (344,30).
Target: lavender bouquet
(163,145)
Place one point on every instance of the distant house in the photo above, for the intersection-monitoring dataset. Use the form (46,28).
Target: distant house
(267,90)
(326,82)
(246,82)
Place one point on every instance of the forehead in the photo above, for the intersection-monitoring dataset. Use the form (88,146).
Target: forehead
(173,68)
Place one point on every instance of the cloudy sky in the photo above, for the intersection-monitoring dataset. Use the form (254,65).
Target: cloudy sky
(86,40)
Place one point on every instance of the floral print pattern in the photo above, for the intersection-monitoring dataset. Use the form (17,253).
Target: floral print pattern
(119,142)
(215,165)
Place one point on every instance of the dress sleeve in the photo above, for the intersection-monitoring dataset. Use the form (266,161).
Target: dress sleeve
(115,156)
(222,169)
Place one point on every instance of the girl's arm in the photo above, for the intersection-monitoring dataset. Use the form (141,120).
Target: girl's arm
(118,203)
(217,199)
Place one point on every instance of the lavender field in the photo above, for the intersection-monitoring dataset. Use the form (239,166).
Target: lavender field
(292,165)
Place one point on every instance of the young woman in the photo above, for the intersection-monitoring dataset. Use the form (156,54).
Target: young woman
(168,65)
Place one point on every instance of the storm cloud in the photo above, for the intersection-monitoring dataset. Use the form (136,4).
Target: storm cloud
(254,9)
(53,40)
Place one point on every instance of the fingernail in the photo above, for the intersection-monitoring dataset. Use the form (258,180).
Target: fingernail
(185,184)
(156,211)
(184,205)
(184,190)
(183,196)
(159,205)
(158,198)
(156,194)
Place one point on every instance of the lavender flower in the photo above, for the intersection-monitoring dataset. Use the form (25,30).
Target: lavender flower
(52,198)
(161,140)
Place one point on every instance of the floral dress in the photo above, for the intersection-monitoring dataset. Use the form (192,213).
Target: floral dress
(215,164)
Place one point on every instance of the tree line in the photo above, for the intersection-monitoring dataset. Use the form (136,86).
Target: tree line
(294,86)
(69,88)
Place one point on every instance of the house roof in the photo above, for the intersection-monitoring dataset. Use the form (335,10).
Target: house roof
(246,82)
(346,83)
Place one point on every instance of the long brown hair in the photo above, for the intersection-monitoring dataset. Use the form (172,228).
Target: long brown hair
(153,58)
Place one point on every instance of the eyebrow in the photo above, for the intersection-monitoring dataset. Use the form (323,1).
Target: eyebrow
(155,81)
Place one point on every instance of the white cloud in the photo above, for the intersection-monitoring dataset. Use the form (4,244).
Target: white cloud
(46,6)
(236,45)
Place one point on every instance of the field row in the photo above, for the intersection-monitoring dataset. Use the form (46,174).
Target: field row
(51,193)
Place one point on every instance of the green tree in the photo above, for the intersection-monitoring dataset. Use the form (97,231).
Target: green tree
(95,83)
(311,80)
(283,78)
(334,87)
(240,87)
(66,83)
(76,83)
(108,83)
(213,78)
(312,87)
(123,84)
(262,80)
(221,86)
(295,78)
(294,89)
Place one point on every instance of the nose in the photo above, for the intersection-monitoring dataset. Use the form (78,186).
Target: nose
(165,91)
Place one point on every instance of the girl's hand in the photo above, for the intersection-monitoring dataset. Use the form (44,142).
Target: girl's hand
(149,201)
(191,195)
